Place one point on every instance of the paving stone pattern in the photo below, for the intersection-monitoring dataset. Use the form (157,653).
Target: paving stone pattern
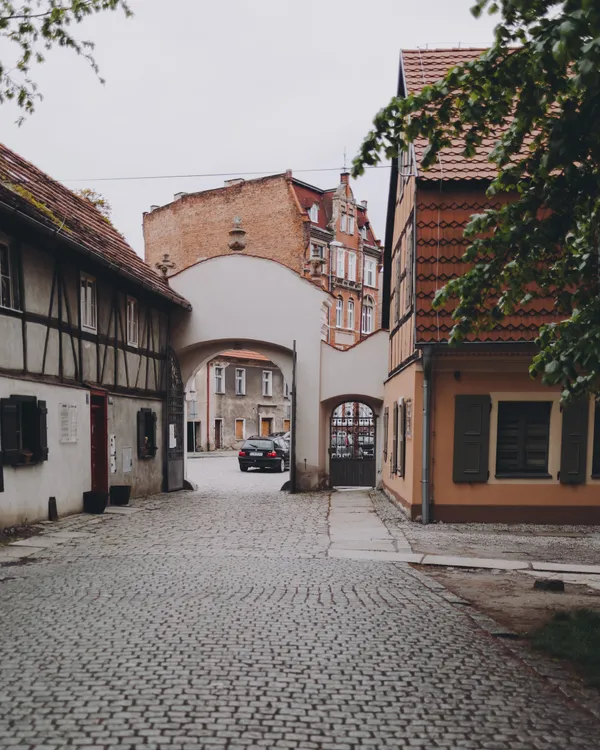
(215,620)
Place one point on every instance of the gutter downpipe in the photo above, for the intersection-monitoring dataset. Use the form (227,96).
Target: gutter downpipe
(426,446)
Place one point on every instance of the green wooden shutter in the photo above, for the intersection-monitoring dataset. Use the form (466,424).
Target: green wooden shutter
(573,451)
(10,424)
(471,438)
(401,437)
(141,433)
(386,422)
(42,436)
(395,437)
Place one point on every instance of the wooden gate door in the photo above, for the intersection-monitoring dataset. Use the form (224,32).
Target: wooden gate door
(218,434)
(352,446)
(175,424)
(99,442)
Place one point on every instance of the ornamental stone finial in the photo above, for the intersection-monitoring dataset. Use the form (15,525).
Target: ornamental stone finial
(238,235)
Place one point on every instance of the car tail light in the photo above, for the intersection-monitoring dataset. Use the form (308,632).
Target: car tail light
(272,454)
(242,453)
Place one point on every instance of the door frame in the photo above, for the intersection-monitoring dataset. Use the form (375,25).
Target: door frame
(103,396)
(220,421)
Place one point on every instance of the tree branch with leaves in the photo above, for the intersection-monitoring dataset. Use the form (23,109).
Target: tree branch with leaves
(35,27)
(536,92)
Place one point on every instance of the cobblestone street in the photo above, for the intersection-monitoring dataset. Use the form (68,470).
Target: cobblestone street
(215,619)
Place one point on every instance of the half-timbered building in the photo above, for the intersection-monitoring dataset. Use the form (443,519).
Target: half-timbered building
(469,435)
(84,358)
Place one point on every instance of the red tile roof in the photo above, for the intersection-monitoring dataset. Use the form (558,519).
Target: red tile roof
(35,194)
(308,196)
(423,67)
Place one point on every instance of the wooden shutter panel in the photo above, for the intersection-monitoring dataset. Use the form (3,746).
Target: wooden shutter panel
(386,421)
(471,438)
(9,426)
(401,437)
(573,452)
(395,437)
(141,432)
(42,436)
(154,421)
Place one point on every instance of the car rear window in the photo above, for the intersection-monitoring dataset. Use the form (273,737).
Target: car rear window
(261,445)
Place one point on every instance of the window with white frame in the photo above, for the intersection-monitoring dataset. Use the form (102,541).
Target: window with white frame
(219,379)
(132,321)
(363,231)
(352,266)
(339,313)
(9,278)
(316,250)
(240,381)
(267,383)
(88,302)
(367,315)
(370,272)
(313,213)
(343,221)
(350,229)
(340,270)
(351,314)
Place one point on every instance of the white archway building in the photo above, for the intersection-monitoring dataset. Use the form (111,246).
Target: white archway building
(253,303)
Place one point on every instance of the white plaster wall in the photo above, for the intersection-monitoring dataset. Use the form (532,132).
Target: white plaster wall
(359,371)
(262,306)
(66,474)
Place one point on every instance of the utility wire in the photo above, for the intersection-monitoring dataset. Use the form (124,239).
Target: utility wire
(209,174)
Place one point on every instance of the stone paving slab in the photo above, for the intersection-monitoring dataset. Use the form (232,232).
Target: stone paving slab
(566,567)
(43,541)
(474,562)
(10,552)
(356,554)
(121,510)
(67,535)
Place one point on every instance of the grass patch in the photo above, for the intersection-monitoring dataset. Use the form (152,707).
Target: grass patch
(574,636)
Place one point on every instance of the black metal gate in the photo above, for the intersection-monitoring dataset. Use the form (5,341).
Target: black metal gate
(352,446)
(174,438)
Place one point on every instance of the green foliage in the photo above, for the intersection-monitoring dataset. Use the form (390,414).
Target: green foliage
(574,636)
(536,91)
(97,200)
(30,198)
(35,26)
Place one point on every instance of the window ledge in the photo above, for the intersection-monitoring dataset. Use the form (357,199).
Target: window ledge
(595,475)
(523,475)
(22,466)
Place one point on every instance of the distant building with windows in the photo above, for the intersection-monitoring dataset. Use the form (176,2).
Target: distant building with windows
(323,235)
(236,395)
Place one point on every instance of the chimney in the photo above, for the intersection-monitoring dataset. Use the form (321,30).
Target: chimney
(235,181)
(363,204)
(345,178)
(153,208)
(178,196)
(288,175)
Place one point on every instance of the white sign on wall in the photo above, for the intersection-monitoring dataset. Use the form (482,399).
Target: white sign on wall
(127,460)
(112,450)
(172,436)
(68,422)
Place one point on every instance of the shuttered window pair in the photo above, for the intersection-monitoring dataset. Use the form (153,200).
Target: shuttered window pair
(23,430)
(399,438)
(146,433)
(523,440)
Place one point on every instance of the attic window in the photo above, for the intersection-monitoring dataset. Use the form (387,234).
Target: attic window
(313,213)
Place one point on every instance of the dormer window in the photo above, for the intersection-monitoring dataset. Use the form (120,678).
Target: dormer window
(363,231)
(313,213)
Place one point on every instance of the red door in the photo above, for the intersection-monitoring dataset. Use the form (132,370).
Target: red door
(99,443)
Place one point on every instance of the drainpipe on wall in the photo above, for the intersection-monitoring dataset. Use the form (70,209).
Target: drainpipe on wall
(426,451)
(208,406)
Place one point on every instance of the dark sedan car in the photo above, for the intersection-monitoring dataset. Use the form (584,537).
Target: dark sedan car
(264,453)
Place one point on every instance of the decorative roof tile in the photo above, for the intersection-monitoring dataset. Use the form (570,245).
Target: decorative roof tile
(33,193)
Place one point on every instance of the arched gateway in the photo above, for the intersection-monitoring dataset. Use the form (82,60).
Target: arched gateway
(261,305)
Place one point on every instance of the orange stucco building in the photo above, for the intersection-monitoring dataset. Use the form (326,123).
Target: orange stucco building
(468,434)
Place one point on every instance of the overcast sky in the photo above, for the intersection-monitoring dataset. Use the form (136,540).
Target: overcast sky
(196,87)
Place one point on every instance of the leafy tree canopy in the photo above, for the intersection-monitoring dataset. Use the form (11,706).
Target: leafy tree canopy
(35,26)
(97,200)
(537,92)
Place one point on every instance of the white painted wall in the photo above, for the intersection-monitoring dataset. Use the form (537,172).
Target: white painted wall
(358,371)
(66,474)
